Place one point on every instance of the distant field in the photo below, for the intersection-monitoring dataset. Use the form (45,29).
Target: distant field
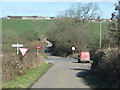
(22,26)
(94,27)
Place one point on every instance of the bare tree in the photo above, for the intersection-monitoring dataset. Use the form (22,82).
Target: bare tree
(80,11)
(37,27)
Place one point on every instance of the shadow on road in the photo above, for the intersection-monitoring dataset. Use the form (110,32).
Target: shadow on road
(78,69)
(82,72)
(75,57)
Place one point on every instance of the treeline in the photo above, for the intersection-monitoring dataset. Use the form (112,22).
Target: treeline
(69,30)
(65,33)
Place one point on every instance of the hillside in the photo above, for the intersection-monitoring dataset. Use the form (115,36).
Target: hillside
(94,27)
(22,26)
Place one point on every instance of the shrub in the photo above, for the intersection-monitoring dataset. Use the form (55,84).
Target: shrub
(15,65)
(107,66)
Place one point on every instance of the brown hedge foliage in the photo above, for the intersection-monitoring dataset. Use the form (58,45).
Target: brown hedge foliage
(15,65)
(107,65)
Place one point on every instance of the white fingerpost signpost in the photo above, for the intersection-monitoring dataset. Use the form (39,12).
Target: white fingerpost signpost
(17,46)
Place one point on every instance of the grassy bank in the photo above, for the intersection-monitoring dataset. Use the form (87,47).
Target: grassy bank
(26,80)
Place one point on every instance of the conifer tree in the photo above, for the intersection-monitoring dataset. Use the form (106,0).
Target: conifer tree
(115,27)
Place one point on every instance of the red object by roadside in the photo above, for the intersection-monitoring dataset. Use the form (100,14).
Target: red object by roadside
(84,56)
(38,47)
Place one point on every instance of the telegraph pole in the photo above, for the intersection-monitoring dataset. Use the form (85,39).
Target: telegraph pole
(118,9)
(119,14)
(118,32)
(100,35)
(118,21)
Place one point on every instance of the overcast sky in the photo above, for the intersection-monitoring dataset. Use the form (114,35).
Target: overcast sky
(49,7)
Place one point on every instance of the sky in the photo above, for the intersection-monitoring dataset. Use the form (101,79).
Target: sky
(50,7)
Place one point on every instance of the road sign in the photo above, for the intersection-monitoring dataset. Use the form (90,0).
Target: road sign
(73,48)
(17,46)
(23,51)
(38,47)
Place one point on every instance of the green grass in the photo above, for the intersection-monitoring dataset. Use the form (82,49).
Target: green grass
(91,61)
(94,27)
(22,26)
(26,80)
(21,31)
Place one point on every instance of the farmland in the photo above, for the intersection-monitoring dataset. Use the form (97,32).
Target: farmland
(94,27)
(22,26)
(14,31)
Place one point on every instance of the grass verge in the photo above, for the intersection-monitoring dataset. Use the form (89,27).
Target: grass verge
(91,61)
(26,80)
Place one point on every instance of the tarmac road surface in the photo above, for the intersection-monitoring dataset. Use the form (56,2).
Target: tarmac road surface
(65,73)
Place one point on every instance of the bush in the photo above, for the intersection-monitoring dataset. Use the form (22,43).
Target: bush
(15,65)
(107,66)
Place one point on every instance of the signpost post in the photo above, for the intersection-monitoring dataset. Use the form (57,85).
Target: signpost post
(17,46)
(38,48)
